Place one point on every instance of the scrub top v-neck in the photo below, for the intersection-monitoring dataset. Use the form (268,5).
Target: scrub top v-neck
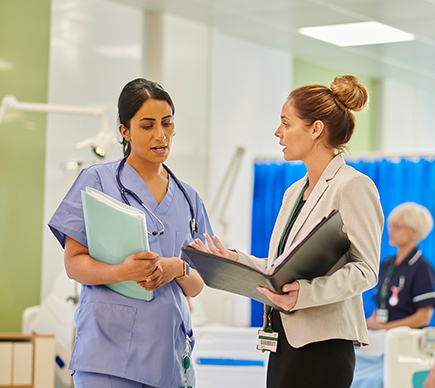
(139,186)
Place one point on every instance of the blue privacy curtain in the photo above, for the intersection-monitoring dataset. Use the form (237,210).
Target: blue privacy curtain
(398,180)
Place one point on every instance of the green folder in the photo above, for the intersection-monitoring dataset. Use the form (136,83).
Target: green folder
(114,231)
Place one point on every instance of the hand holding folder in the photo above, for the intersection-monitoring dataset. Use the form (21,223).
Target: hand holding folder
(115,231)
(313,255)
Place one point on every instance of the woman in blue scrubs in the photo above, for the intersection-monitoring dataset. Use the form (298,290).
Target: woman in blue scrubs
(121,341)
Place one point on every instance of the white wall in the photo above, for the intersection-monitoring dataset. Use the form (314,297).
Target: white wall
(92,56)
(407,122)
(179,59)
(250,83)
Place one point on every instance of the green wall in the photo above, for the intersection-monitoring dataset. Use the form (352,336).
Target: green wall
(24,55)
(365,136)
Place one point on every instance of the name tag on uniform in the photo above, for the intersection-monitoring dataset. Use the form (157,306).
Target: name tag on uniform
(382,315)
(267,340)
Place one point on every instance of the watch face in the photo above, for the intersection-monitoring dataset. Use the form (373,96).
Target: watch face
(187,269)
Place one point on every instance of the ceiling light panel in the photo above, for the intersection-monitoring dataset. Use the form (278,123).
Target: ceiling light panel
(357,34)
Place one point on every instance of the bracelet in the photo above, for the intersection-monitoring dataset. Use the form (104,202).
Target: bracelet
(186,271)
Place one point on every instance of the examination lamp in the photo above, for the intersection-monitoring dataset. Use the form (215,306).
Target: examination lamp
(99,143)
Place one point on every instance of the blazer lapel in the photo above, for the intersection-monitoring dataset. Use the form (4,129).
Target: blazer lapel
(283,216)
(306,210)
(313,199)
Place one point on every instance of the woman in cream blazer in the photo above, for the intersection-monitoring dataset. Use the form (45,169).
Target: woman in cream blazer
(325,316)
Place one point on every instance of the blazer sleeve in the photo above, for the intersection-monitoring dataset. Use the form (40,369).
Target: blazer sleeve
(359,204)
(252,261)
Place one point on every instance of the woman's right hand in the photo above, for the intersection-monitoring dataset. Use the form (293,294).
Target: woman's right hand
(84,269)
(215,247)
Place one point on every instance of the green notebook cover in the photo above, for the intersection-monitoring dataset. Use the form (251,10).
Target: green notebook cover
(114,231)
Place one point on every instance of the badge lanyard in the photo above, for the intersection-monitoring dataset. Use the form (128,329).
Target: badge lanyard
(267,338)
(384,288)
(391,271)
(382,313)
(290,222)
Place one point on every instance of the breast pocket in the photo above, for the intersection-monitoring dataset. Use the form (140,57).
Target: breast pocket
(103,338)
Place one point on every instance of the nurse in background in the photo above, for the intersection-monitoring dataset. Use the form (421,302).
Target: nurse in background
(120,341)
(405,294)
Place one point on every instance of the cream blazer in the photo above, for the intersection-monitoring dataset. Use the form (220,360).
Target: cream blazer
(330,307)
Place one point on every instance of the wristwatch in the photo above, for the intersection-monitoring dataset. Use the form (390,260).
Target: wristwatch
(186,271)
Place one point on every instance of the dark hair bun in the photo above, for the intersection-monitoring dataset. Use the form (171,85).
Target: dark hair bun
(350,92)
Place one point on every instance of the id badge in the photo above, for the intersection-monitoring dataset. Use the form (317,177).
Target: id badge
(382,315)
(267,340)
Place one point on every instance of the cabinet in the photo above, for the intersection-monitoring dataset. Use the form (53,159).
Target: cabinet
(26,360)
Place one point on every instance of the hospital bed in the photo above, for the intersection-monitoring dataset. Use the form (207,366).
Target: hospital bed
(398,358)
(408,356)
(228,357)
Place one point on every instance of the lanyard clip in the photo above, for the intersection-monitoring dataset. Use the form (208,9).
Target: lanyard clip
(269,329)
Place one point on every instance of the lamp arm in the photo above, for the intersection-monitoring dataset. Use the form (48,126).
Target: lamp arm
(10,102)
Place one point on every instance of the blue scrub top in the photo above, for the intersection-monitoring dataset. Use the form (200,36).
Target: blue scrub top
(116,335)
(414,278)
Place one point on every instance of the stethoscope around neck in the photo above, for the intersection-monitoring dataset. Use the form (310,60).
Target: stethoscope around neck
(123,190)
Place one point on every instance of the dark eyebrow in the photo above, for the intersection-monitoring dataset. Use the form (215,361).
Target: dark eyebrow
(152,119)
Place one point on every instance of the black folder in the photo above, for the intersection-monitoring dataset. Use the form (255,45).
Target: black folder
(314,255)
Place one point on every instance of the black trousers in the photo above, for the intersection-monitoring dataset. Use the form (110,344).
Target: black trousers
(325,364)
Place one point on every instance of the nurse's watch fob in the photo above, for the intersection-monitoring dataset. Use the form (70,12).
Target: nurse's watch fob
(186,363)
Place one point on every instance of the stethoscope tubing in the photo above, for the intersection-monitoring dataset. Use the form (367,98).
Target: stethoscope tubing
(123,190)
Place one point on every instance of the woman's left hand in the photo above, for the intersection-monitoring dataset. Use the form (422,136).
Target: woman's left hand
(286,301)
(165,271)
(218,249)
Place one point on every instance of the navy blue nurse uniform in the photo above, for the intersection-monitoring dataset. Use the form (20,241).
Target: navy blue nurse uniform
(411,287)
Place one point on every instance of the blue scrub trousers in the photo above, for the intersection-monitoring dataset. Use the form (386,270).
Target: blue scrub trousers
(96,380)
